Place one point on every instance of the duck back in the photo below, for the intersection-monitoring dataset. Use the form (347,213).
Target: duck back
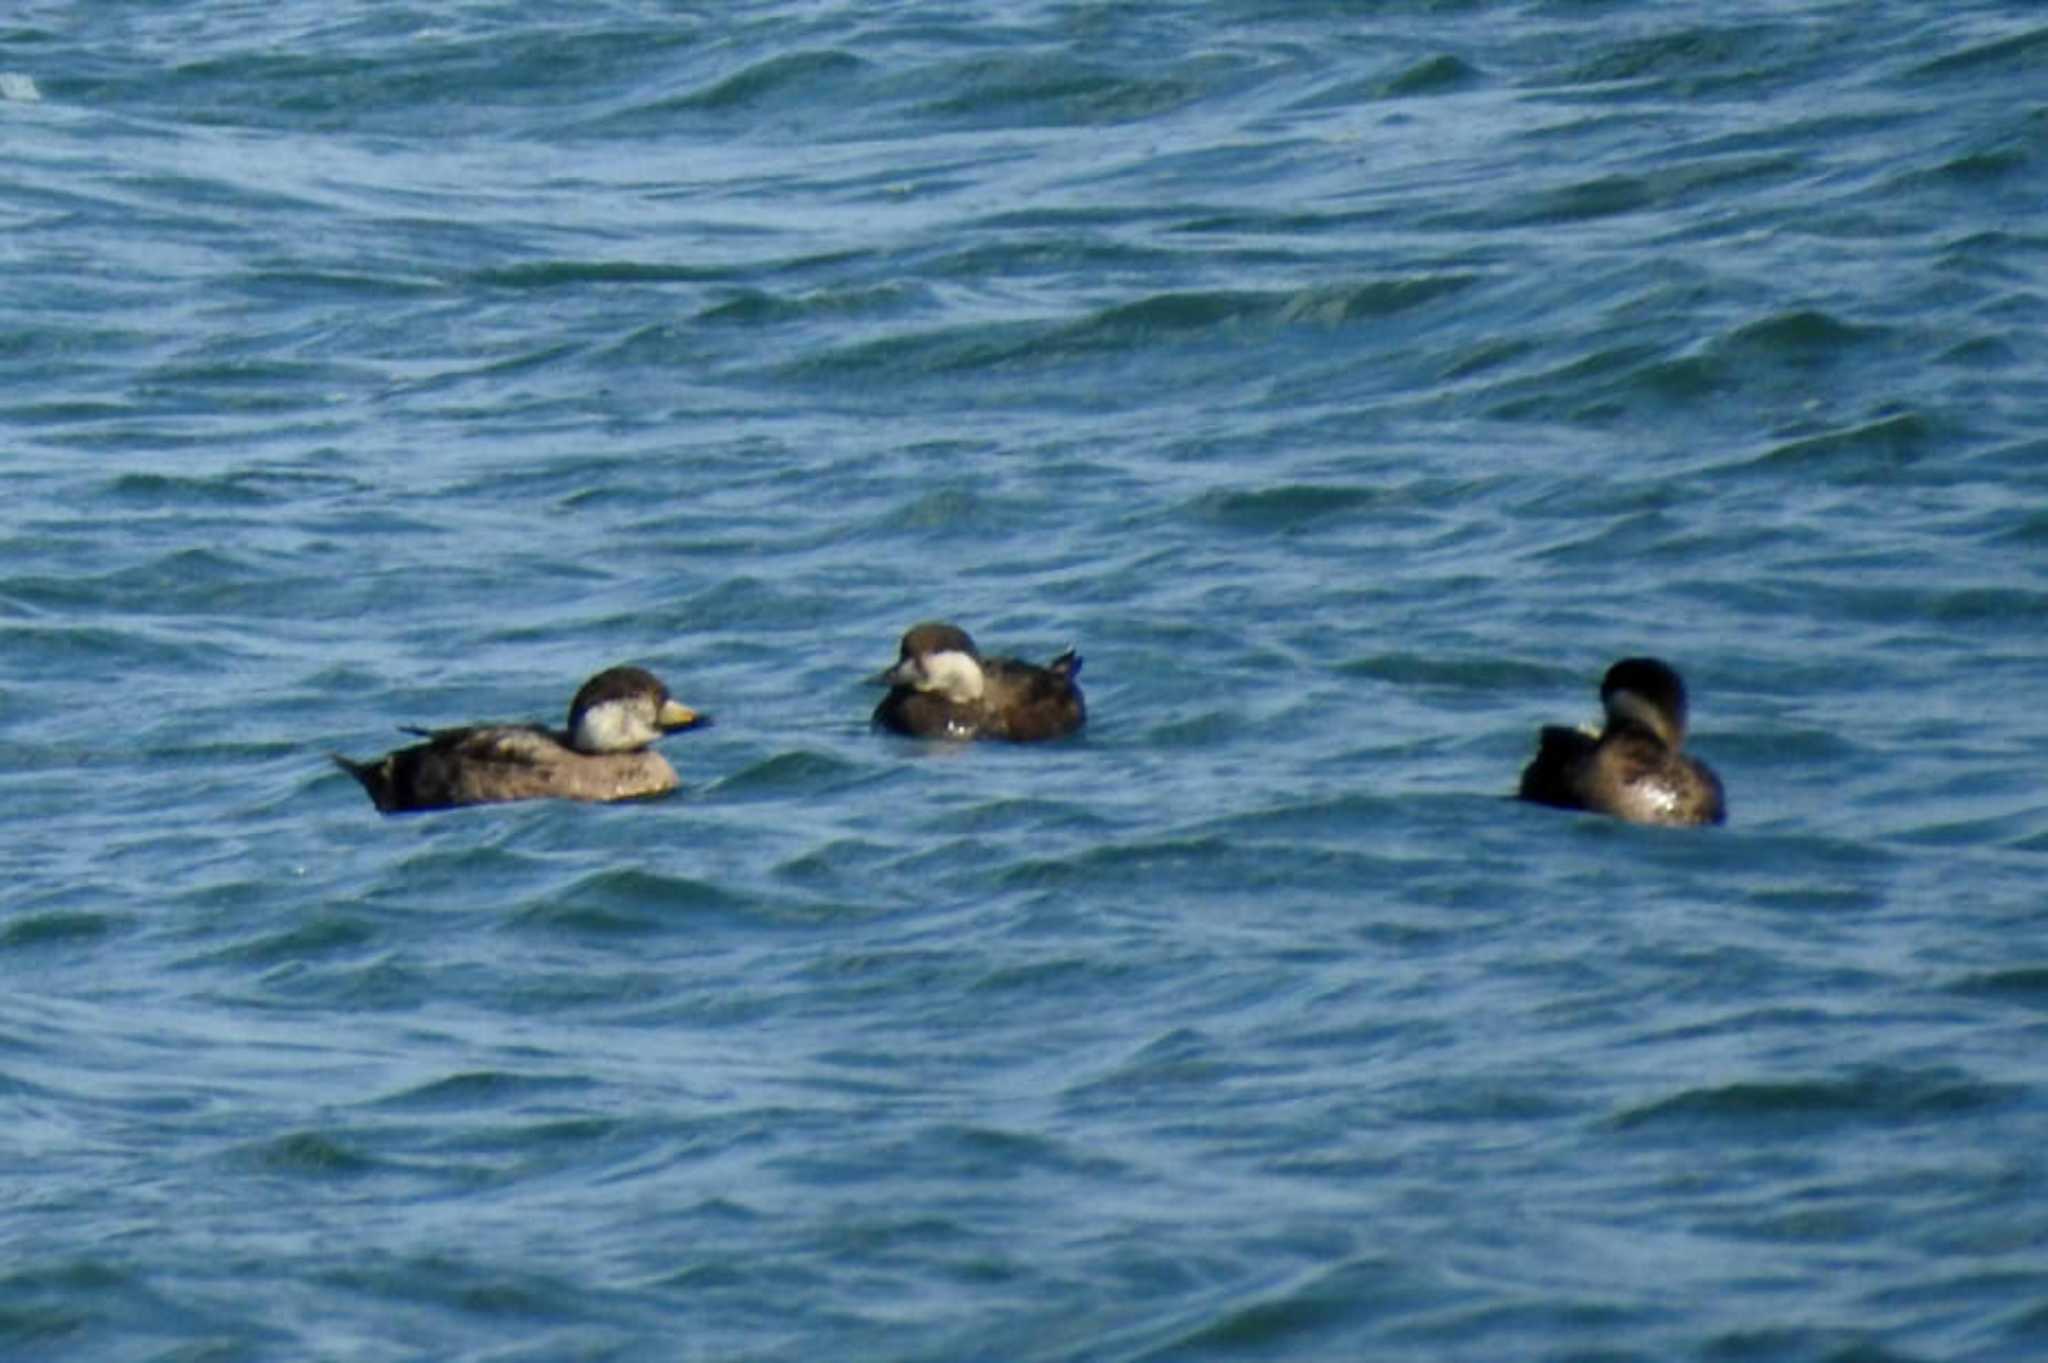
(1029,703)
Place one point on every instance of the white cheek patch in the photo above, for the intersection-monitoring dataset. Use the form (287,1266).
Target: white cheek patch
(613,726)
(954,675)
(1629,705)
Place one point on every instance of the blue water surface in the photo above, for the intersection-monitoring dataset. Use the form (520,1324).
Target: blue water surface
(1350,383)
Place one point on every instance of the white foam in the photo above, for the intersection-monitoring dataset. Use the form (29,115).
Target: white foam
(17,86)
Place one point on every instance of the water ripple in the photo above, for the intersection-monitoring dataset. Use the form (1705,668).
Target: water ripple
(1353,387)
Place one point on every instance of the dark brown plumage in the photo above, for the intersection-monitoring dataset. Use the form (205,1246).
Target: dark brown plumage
(1634,768)
(941,687)
(601,755)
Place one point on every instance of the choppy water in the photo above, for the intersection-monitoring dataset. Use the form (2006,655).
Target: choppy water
(1351,383)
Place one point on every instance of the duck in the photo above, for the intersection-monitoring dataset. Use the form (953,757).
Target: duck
(942,687)
(1634,768)
(602,754)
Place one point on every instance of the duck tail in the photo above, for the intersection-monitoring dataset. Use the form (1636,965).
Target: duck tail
(1067,665)
(1550,778)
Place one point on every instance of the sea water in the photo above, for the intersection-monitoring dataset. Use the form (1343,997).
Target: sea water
(1351,384)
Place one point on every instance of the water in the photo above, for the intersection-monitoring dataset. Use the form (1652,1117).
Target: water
(1351,384)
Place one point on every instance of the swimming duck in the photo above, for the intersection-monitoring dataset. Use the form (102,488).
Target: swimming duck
(1633,768)
(941,687)
(602,755)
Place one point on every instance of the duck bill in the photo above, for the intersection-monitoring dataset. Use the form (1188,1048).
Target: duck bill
(902,673)
(676,716)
